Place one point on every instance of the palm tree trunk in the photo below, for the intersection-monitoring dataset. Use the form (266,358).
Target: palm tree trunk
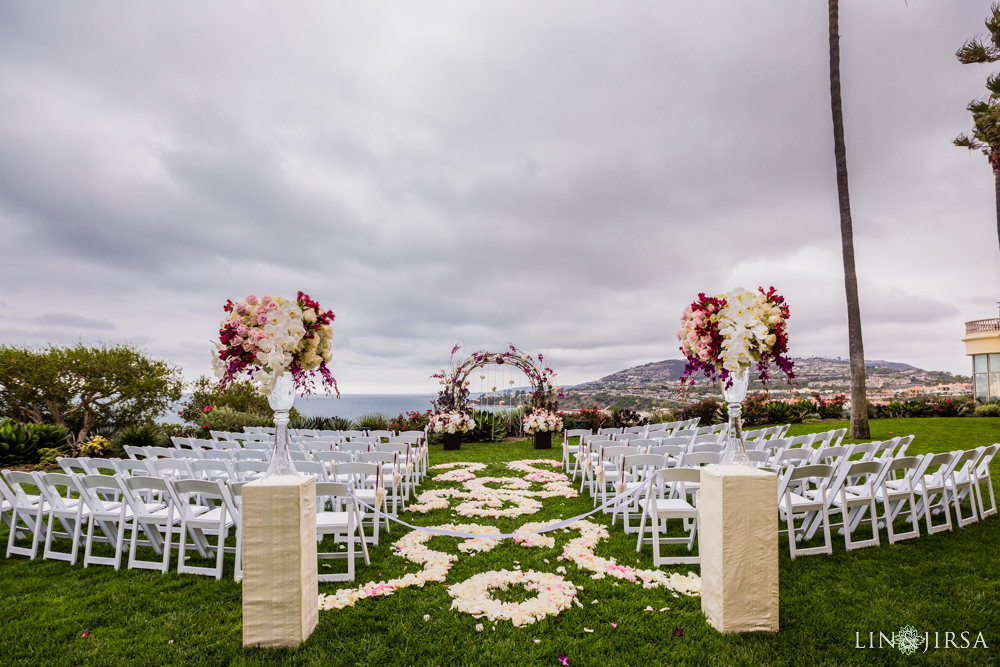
(859,397)
(996,188)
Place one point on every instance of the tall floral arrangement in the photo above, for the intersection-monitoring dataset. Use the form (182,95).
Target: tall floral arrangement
(726,333)
(541,420)
(451,422)
(264,337)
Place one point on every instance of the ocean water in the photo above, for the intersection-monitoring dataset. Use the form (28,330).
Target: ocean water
(352,406)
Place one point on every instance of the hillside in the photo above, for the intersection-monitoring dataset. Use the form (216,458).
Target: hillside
(657,384)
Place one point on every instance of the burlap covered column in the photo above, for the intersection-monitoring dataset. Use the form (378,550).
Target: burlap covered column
(280,590)
(738,509)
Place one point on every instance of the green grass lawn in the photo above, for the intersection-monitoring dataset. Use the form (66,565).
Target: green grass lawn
(949,582)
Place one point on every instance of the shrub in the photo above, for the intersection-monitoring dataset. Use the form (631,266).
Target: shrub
(832,409)
(180,431)
(139,435)
(595,418)
(51,437)
(18,443)
(988,410)
(48,456)
(755,410)
(411,421)
(337,424)
(513,418)
(660,416)
(233,421)
(950,407)
(373,421)
(626,418)
(783,413)
(490,427)
(96,446)
(705,409)
(917,409)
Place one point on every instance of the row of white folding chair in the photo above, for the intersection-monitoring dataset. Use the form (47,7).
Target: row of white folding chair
(109,521)
(856,486)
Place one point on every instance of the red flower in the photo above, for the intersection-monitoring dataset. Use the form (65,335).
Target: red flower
(207,408)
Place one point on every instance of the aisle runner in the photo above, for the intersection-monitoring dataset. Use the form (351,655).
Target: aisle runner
(472,596)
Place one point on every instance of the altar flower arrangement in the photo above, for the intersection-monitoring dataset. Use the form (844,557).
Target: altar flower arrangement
(541,420)
(266,336)
(723,334)
(452,422)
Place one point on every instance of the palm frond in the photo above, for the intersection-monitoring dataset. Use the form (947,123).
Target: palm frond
(977,51)
(966,141)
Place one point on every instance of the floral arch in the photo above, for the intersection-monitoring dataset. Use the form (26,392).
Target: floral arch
(454,395)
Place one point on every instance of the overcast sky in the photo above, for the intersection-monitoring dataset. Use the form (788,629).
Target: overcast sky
(564,176)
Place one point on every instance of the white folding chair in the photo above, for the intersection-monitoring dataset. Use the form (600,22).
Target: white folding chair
(176,468)
(637,470)
(567,436)
(65,509)
(135,453)
(369,488)
(961,481)
(213,469)
(110,516)
(658,509)
(159,452)
(606,471)
(799,456)
(29,509)
(983,477)
(250,455)
(341,520)
(234,503)
(154,519)
(933,490)
(130,468)
(858,499)
(72,466)
(198,525)
(797,498)
(895,493)
(247,471)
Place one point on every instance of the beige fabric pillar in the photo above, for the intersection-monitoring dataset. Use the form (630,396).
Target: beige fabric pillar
(280,589)
(738,509)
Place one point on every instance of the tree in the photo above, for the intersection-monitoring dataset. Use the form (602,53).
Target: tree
(985,135)
(859,397)
(82,387)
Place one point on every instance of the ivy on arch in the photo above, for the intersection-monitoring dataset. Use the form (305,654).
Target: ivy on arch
(454,394)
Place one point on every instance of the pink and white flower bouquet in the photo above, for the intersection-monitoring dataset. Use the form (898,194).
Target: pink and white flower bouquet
(266,336)
(728,333)
(541,420)
(452,422)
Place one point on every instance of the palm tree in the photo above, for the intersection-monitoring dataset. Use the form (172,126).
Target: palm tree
(859,394)
(985,135)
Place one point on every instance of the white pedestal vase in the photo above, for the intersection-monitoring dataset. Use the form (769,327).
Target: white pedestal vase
(735,452)
(281,400)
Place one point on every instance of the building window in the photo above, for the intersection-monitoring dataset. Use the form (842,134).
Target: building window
(986,377)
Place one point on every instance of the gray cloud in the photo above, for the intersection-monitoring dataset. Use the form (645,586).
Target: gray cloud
(564,176)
